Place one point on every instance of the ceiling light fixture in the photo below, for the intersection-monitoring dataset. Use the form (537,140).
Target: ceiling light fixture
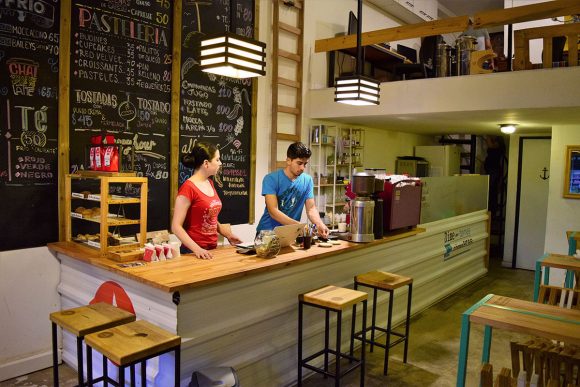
(232,55)
(357,89)
(507,128)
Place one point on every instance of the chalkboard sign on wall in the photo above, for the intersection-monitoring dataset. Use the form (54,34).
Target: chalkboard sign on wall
(217,109)
(29,35)
(121,84)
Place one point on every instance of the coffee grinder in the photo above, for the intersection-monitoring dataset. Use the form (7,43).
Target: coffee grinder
(362,208)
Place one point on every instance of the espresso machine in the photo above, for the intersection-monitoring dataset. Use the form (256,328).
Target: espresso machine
(362,208)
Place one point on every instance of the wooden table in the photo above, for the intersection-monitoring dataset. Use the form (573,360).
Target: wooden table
(558,261)
(515,315)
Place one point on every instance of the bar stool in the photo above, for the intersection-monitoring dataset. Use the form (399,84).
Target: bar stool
(80,322)
(380,280)
(336,299)
(129,344)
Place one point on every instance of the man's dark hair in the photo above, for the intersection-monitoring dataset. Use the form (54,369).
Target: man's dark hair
(298,150)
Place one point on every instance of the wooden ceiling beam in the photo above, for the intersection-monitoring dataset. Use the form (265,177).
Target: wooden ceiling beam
(417,30)
(526,13)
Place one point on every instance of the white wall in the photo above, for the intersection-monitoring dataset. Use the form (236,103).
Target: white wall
(563,214)
(28,281)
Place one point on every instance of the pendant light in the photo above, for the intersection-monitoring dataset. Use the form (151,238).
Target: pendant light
(357,89)
(232,55)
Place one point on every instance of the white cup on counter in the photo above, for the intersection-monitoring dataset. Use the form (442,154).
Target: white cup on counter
(342,227)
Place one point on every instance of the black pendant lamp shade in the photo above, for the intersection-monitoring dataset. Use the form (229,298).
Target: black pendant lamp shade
(232,55)
(357,89)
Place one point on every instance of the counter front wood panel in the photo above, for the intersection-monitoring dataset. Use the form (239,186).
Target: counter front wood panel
(186,271)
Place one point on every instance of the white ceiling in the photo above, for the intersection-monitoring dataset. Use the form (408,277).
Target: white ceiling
(468,7)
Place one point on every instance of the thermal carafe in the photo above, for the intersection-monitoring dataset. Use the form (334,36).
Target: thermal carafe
(361,219)
(362,207)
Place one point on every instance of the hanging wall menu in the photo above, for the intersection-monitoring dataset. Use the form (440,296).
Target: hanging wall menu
(121,84)
(29,35)
(217,109)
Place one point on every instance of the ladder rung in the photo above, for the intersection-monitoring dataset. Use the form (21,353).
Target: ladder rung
(289,28)
(289,82)
(289,55)
(288,109)
(287,137)
(292,3)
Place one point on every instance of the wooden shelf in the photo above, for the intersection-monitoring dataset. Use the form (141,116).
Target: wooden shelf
(113,199)
(112,221)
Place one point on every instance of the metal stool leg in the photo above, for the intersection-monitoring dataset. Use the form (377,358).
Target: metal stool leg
(362,353)
(89,365)
(407,322)
(338,338)
(122,376)
(54,356)
(300,312)
(374,319)
(352,329)
(80,372)
(105,372)
(388,343)
(132,369)
(178,365)
(144,372)
(326,338)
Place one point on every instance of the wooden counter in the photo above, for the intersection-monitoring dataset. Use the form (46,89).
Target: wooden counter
(241,311)
(187,272)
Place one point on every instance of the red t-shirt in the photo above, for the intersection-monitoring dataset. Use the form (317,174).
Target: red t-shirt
(201,221)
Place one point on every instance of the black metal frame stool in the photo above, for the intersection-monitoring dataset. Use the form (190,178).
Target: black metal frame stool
(380,280)
(336,299)
(80,322)
(129,344)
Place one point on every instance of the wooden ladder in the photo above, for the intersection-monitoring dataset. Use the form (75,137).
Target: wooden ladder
(281,134)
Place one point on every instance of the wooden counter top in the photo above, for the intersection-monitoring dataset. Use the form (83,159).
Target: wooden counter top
(186,271)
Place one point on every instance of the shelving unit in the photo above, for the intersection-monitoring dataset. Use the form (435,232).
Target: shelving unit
(105,200)
(336,151)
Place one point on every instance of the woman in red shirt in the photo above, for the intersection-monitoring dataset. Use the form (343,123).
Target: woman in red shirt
(195,218)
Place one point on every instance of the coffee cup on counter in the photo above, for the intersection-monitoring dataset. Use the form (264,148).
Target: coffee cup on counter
(342,227)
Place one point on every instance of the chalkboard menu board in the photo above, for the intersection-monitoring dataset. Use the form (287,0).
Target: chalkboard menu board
(121,84)
(217,109)
(29,35)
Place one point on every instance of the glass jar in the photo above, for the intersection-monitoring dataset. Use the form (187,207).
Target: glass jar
(267,244)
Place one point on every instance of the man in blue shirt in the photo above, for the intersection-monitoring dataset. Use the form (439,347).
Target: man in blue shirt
(288,190)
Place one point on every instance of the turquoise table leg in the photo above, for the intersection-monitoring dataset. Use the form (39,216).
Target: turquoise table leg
(538,276)
(546,275)
(569,282)
(572,244)
(464,341)
(486,344)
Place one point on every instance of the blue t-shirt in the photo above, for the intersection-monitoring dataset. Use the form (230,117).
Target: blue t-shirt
(291,196)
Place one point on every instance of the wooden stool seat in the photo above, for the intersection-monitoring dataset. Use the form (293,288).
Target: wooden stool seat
(383,280)
(334,297)
(82,321)
(128,343)
(91,318)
